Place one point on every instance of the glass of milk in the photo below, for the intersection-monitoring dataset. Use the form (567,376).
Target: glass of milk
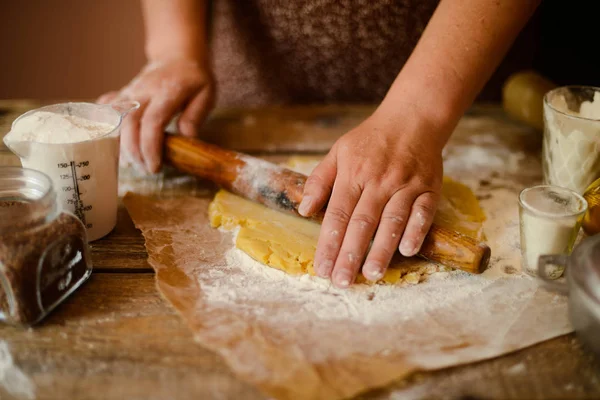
(77,146)
(550,219)
(571,152)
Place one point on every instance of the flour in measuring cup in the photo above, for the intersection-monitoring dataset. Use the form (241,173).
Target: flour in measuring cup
(80,156)
(49,127)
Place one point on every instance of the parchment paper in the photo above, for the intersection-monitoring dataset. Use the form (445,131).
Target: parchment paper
(291,352)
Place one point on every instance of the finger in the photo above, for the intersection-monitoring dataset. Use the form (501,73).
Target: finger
(333,229)
(318,186)
(391,226)
(107,98)
(196,112)
(158,114)
(130,137)
(419,222)
(359,233)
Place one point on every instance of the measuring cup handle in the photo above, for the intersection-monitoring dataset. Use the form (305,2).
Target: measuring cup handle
(548,260)
(124,107)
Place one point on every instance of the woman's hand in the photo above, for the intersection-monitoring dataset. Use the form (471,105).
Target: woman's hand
(383,182)
(164,89)
(384,177)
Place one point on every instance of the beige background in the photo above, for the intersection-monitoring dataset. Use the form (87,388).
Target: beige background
(68,48)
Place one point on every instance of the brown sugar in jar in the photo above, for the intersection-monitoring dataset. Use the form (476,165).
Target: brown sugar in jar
(44,255)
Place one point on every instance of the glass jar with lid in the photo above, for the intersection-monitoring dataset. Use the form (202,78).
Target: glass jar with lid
(44,256)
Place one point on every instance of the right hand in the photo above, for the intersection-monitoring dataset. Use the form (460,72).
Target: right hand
(164,89)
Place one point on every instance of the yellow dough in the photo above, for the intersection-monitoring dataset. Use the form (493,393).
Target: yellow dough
(288,243)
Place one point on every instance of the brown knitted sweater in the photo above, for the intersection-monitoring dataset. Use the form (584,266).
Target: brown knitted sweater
(312,51)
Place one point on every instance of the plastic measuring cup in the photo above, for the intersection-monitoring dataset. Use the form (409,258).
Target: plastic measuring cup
(85,173)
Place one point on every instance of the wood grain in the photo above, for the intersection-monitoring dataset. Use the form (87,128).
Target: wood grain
(117,339)
(122,250)
(557,369)
(202,159)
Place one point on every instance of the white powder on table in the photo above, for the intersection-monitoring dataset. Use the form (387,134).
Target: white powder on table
(80,156)
(243,280)
(451,318)
(318,298)
(12,379)
(485,152)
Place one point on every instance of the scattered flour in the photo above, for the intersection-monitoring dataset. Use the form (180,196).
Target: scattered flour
(243,280)
(484,151)
(167,182)
(12,379)
(256,316)
(254,178)
(317,297)
(517,369)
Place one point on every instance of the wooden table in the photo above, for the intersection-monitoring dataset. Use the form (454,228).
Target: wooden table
(117,339)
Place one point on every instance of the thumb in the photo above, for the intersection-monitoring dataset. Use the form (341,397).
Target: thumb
(319,185)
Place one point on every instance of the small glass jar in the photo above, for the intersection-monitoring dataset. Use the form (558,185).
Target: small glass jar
(44,256)
(550,218)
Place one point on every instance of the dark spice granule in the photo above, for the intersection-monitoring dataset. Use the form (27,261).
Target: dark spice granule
(57,249)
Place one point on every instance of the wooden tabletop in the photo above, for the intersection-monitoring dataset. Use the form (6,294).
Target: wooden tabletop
(116,338)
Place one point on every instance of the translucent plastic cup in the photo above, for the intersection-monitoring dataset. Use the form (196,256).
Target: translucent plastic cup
(85,173)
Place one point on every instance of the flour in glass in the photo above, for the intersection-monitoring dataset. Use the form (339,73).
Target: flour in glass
(80,155)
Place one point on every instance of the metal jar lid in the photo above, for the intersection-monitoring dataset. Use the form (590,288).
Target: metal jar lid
(584,266)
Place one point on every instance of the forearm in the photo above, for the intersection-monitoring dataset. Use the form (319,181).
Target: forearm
(462,45)
(175,29)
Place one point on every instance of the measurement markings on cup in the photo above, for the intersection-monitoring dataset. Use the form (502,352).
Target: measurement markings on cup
(79,207)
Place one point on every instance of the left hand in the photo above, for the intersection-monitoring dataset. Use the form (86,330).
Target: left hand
(384,178)
(163,88)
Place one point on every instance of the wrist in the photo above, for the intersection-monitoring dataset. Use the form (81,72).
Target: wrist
(167,52)
(433,101)
(414,121)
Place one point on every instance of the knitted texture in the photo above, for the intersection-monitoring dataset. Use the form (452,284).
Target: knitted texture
(312,51)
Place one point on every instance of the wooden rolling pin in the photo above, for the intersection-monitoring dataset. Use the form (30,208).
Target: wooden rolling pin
(281,189)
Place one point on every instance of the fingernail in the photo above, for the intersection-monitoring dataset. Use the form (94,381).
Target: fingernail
(305,205)
(407,248)
(342,280)
(324,268)
(138,166)
(187,128)
(372,272)
(124,160)
(152,166)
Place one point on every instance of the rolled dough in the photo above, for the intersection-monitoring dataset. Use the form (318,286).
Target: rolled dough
(288,243)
